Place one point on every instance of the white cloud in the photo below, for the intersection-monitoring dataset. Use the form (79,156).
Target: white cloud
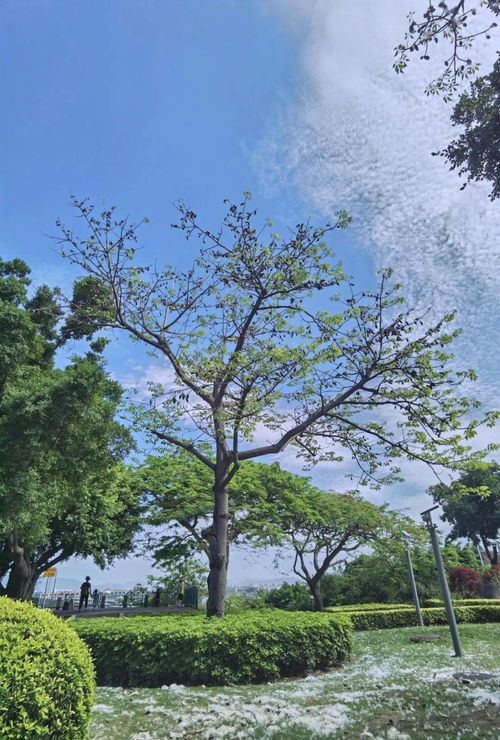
(360,137)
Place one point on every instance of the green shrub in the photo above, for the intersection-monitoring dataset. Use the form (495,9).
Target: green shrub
(46,676)
(241,602)
(293,597)
(387,619)
(464,602)
(367,607)
(241,648)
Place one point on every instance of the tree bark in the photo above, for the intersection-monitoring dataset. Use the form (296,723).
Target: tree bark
(217,536)
(22,576)
(315,588)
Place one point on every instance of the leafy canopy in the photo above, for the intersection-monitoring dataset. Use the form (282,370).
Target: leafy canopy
(250,349)
(471,504)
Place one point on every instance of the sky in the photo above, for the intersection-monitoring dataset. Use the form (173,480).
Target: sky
(140,104)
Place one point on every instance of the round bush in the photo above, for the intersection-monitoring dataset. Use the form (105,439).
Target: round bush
(241,648)
(46,676)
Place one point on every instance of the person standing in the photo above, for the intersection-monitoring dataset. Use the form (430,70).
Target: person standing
(85,591)
(95,598)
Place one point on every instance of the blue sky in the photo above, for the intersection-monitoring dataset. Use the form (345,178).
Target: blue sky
(140,103)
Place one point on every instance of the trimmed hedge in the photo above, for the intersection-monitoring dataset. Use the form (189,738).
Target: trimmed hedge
(464,602)
(406,617)
(46,676)
(367,608)
(241,648)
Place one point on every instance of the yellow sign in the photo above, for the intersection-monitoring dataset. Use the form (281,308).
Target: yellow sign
(50,572)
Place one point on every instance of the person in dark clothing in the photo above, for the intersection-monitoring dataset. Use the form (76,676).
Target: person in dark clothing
(156,597)
(85,591)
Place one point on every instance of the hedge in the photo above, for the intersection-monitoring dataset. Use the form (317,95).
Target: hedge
(377,620)
(464,602)
(367,607)
(46,676)
(241,648)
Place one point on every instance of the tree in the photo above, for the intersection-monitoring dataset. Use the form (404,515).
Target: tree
(382,577)
(322,527)
(58,434)
(177,503)
(99,521)
(251,351)
(447,22)
(177,575)
(471,505)
(475,152)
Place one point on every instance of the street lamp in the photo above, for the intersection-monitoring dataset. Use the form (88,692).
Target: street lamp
(411,575)
(426,516)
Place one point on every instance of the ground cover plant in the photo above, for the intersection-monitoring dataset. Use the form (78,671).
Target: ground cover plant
(246,647)
(46,676)
(391,689)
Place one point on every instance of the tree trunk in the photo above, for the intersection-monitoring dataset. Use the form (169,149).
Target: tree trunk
(217,536)
(494,558)
(315,588)
(22,576)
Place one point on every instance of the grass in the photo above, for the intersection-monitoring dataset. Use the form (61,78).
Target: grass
(392,689)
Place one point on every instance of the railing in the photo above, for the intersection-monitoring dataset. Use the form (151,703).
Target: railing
(69,601)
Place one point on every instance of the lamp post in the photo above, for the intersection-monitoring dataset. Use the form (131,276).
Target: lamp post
(443,583)
(411,575)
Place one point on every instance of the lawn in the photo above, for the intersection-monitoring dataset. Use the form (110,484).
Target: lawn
(392,689)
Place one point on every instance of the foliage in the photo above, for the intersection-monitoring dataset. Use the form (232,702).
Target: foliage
(322,527)
(177,575)
(247,647)
(404,617)
(472,506)
(46,676)
(451,24)
(383,576)
(241,602)
(475,151)
(59,489)
(247,346)
(267,505)
(493,574)
(290,596)
(465,581)
(175,490)
(368,608)
(464,602)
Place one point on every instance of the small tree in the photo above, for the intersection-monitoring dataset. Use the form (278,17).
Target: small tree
(322,528)
(250,349)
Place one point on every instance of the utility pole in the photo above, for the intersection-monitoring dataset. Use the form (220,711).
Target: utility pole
(411,576)
(426,516)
